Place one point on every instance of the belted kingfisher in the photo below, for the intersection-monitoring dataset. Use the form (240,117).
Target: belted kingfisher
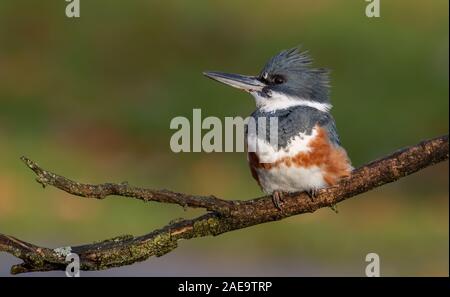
(309,155)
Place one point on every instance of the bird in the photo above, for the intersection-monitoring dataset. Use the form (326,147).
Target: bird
(308,155)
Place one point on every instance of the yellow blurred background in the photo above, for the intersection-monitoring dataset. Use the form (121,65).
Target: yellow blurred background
(92,99)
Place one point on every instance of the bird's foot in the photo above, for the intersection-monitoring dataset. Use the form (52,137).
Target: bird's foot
(277,198)
(312,193)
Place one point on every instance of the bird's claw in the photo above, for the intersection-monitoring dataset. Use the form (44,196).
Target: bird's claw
(312,193)
(277,199)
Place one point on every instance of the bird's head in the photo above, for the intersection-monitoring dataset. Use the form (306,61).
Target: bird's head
(286,80)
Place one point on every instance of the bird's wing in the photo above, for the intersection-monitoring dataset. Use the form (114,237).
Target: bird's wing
(329,125)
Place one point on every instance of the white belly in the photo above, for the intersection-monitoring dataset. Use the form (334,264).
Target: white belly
(282,177)
(269,153)
(290,179)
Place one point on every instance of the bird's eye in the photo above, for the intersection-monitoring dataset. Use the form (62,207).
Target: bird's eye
(278,79)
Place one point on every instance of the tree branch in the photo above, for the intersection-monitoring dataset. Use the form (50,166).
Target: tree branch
(101,191)
(223,215)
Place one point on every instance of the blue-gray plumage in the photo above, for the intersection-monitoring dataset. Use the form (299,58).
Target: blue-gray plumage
(299,79)
(293,120)
(308,155)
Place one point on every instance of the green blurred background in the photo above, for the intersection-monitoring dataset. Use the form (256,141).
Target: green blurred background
(92,98)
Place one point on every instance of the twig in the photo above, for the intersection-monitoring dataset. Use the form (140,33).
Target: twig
(123,189)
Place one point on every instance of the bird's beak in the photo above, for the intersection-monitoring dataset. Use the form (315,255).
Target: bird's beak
(242,82)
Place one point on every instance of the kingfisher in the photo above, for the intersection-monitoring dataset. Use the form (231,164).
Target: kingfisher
(308,155)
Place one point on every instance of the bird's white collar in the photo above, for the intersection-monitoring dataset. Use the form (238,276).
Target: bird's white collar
(278,101)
